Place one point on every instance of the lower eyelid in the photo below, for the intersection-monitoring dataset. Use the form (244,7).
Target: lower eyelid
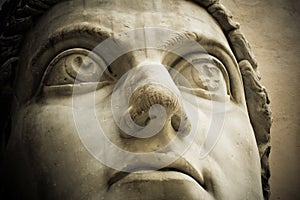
(73,89)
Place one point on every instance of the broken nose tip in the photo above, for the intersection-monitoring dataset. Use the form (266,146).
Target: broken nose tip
(155,105)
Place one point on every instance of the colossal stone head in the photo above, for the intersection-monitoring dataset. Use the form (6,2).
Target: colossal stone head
(128,99)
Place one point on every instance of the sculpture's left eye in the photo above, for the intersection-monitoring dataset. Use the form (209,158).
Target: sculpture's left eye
(202,75)
(75,66)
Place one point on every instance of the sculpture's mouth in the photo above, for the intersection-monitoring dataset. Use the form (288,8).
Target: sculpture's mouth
(178,170)
(165,174)
(176,181)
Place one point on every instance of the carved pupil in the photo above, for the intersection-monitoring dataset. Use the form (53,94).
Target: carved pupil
(82,68)
(207,77)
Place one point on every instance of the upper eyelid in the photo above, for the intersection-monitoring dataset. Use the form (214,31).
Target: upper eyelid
(219,51)
(83,30)
(83,54)
(206,43)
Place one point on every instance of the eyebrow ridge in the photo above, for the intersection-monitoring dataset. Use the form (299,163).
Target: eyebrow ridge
(181,37)
(67,32)
(76,29)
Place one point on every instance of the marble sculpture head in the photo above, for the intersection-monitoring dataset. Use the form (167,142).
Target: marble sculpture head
(128,99)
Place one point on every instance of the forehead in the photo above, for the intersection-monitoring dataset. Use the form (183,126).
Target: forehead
(121,15)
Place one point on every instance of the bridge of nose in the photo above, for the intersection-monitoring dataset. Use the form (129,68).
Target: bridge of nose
(149,73)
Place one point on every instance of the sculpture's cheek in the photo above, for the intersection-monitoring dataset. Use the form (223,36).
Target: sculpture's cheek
(46,146)
(233,166)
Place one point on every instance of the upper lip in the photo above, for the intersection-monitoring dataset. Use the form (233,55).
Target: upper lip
(181,165)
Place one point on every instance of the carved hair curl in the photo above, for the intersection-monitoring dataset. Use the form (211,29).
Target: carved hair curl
(17,16)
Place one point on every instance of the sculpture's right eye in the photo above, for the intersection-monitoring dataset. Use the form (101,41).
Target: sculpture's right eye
(76,66)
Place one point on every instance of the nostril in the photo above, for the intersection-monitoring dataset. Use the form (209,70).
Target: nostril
(181,124)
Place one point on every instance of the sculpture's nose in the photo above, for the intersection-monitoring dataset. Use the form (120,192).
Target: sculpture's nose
(153,104)
(157,97)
